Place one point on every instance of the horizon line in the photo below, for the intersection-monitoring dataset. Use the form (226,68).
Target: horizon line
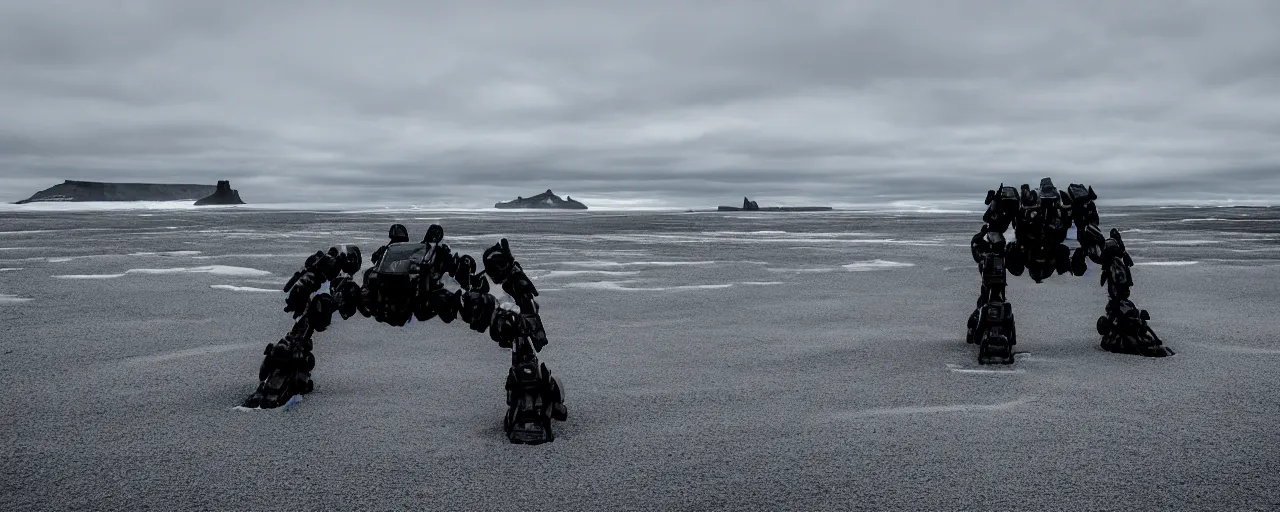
(945,206)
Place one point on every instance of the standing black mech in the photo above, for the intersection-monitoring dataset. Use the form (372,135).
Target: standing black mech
(1041,219)
(406,281)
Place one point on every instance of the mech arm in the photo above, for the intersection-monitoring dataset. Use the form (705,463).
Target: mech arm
(534,397)
(1124,327)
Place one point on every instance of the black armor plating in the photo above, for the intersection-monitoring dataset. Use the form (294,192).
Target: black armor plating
(1041,219)
(406,280)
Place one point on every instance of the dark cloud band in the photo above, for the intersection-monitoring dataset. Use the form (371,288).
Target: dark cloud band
(688,103)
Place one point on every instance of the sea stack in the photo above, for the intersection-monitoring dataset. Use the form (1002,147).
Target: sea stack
(222,195)
(544,200)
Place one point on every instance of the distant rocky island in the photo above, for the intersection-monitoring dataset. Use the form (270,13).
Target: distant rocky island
(751,206)
(546,199)
(82,191)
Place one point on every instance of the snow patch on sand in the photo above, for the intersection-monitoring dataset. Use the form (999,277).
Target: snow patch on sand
(242,288)
(607,264)
(1026,356)
(563,273)
(220,270)
(26,232)
(604,252)
(955,368)
(13,299)
(256,256)
(761,283)
(932,409)
(1184,242)
(10,269)
(800,270)
(744,232)
(167,253)
(273,282)
(88,276)
(618,286)
(1166,263)
(863,266)
(59,260)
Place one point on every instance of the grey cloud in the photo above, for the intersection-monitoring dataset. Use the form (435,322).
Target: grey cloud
(697,103)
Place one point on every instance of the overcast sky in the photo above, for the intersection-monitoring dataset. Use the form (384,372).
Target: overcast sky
(644,102)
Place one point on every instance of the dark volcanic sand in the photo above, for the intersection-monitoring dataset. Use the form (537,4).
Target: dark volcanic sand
(774,378)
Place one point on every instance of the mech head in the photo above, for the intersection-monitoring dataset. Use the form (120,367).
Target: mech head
(1048,194)
(398,233)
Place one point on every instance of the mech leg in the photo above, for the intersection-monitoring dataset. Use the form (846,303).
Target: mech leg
(991,325)
(286,368)
(1124,327)
(534,397)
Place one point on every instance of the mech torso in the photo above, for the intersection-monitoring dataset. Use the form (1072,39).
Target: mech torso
(1040,227)
(392,283)
(1043,220)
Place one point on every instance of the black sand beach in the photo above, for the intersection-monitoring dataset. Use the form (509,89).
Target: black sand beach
(712,361)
